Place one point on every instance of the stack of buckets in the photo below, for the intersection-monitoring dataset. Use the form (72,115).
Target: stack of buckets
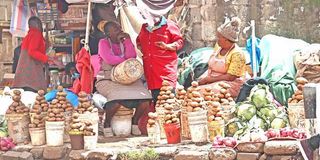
(198,125)
(122,121)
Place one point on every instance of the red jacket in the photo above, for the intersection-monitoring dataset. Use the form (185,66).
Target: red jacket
(160,64)
(85,83)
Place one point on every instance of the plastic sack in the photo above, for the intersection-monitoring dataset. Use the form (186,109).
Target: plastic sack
(71,97)
(99,100)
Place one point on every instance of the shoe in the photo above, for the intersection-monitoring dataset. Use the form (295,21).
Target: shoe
(305,149)
(107,132)
(135,130)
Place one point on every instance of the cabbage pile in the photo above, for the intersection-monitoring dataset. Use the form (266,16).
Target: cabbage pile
(259,112)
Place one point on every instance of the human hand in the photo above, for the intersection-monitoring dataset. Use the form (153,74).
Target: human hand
(122,36)
(162,45)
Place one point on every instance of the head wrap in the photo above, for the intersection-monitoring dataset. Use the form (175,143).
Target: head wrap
(231,29)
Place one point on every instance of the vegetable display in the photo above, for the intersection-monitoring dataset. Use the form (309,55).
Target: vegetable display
(6,143)
(85,105)
(285,133)
(17,106)
(220,142)
(38,110)
(223,97)
(194,100)
(297,97)
(88,129)
(76,126)
(152,119)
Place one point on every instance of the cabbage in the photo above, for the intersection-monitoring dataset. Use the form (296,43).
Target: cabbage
(233,126)
(278,123)
(245,111)
(260,95)
(269,112)
(258,123)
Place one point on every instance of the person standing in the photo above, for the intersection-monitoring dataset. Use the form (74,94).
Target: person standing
(159,42)
(30,70)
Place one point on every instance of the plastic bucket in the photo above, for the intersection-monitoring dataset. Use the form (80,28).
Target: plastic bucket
(38,136)
(172,133)
(67,121)
(54,133)
(18,127)
(90,142)
(216,128)
(77,141)
(154,134)
(161,115)
(198,125)
(91,117)
(121,125)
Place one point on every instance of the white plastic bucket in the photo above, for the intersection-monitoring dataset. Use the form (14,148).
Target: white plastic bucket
(93,118)
(154,134)
(198,125)
(54,133)
(90,142)
(161,115)
(121,125)
(38,136)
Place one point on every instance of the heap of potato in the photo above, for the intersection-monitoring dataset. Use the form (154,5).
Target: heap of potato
(170,116)
(55,112)
(40,105)
(62,100)
(85,105)
(224,97)
(214,111)
(88,129)
(181,93)
(297,97)
(38,121)
(152,119)
(76,126)
(17,106)
(194,100)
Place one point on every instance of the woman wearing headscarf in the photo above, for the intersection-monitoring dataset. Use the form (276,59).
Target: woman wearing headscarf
(116,48)
(228,63)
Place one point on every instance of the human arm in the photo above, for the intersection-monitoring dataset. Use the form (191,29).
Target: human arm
(34,48)
(105,53)
(176,41)
(211,79)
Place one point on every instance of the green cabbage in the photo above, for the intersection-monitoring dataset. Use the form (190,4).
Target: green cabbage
(258,123)
(233,126)
(278,123)
(245,111)
(269,112)
(260,95)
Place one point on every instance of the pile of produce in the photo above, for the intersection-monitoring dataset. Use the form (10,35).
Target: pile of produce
(85,105)
(38,121)
(224,97)
(297,97)
(40,105)
(194,100)
(6,143)
(258,112)
(181,93)
(214,113)
(286,133)
(17,106)
(152,119)
(55,112)
(220,142)
(76,126)
(62,100)
(88,129)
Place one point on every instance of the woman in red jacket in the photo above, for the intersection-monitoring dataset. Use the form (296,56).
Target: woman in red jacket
(30,70)
(159,44)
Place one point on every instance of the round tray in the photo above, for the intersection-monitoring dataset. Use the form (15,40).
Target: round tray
(282,139)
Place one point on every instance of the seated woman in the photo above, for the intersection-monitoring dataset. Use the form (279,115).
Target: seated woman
(228,63)
(117,47)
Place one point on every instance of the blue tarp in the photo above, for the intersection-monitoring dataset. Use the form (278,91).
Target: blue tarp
(71,97)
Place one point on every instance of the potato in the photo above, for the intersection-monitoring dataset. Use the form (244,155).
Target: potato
(51,115)
(171,96)
(26,109)
(39,98)
(162,93)
(175,120)
(55,101)
(168,122)
(60,88)
(37,116)
(224,85)
(41,125)
(230,99)
(168,112)
(197,109)
(224,100)
(223,91)
(94,110)
(300,87)
(301,80)
(16,92)
(52,119)
(299,97)
(170,101)
(165,83)
(36,121)
(15,104)
(167,117)
(298,92)
(41,92)
(218,119)
(207,98)
(59,119)
(82,94)
(194,104)
(168,92)
(12,108)
(152,115)
(195,84)
(196,94)
(16,98)
(32,126)
(86,104)
(219,114)
(189,109)
(183,92)
(61,98)
(9,111)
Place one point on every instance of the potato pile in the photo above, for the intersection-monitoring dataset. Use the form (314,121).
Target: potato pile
(194,100)
(88,129)
(224,97)
(152,119)
(181,93)
(40,105)
(55,112)
(214,113)
(165,95)
(62,100)
(208,95)
(38,121)
(170,116)
(297,97)
(76,126)
(84,104)
(17,106)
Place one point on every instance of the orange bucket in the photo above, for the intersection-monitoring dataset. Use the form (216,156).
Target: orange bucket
(172,133)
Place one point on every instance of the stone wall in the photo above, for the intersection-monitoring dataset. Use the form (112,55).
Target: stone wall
(289,18)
